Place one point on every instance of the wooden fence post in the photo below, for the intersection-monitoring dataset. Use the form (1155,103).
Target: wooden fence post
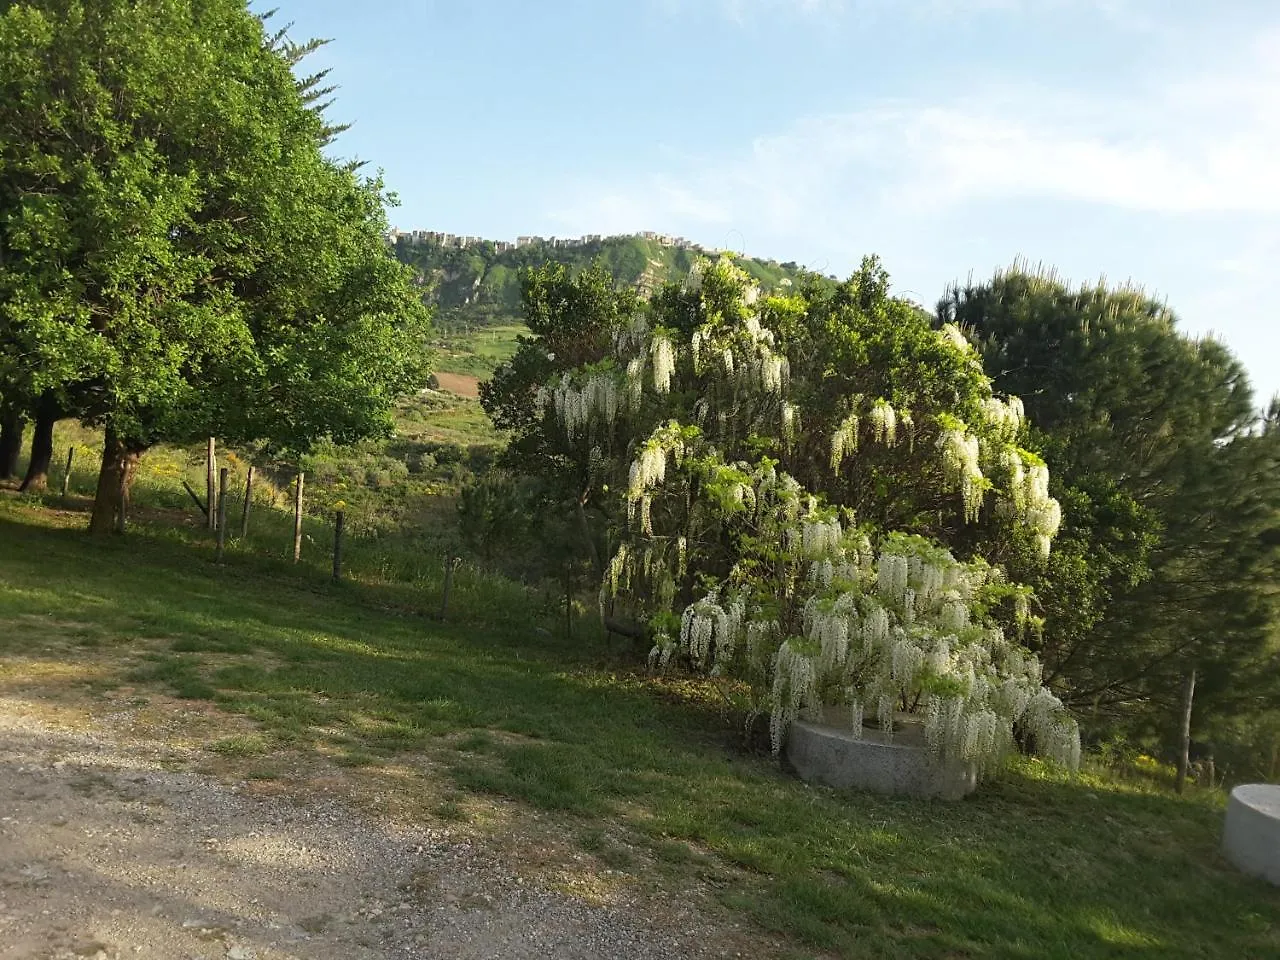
(337,545)
(210,491)
(1184,751)
(195,499)
(297,519)
(222,512)
(450,563)
(66,474)
(248,499)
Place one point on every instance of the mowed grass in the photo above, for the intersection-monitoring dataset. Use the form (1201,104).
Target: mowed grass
(642,774)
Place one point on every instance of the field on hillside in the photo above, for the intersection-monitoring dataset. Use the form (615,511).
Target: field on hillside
(478,352)
(564,756)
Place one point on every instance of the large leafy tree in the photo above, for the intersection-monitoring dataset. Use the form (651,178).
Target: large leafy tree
(777,473)
(1171,483)
(178,258)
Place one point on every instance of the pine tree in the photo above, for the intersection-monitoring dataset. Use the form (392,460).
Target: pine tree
(1170,487)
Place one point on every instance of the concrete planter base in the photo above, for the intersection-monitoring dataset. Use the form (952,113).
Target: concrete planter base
(902,766)
(1251,834)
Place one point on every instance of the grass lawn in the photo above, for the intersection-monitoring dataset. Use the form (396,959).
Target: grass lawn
(641,775)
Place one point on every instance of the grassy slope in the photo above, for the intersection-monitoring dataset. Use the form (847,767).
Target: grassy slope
(400,488)
(479,352)
(640,774)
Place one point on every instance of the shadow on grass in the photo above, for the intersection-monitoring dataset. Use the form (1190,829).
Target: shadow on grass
(1035,865)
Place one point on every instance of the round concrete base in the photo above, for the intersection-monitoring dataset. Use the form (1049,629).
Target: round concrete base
(901,766)
(1251,835)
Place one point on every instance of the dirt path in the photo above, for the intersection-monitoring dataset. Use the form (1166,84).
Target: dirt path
(110,849)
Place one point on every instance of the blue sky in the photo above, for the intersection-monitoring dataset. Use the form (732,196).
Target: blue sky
(1136,139)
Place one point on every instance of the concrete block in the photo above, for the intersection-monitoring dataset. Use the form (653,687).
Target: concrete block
(1251,833)
(898,766)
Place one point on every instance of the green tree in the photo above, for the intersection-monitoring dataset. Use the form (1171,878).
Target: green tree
(1170,482)
(177,256)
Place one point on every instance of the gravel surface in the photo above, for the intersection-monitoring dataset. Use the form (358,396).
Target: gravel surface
(106,854)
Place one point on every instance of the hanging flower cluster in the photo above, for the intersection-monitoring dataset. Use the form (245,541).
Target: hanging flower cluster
(952,336)
(884,422)
(743,350)
(1004,416)
(844,441)
(649,469)
(576,406)
(1040,512)
(881,635)
(631,334)
(960,463)
(664,362)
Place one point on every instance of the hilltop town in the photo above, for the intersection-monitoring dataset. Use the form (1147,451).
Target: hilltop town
(458,241)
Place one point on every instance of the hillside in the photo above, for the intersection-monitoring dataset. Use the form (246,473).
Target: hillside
(478,285)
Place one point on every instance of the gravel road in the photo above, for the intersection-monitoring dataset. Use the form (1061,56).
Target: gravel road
(107,852)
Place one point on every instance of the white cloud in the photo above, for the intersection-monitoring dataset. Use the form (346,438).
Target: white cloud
(1205,145)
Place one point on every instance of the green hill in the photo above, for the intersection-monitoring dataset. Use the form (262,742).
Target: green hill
(478,285)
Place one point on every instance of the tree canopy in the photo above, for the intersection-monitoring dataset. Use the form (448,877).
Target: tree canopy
(178,257)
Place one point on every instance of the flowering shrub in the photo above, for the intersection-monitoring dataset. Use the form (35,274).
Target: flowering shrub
(781,471)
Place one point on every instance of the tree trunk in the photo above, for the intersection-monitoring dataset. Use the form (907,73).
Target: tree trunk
(11,425)
(119,463)
(1184,751)
(37,478)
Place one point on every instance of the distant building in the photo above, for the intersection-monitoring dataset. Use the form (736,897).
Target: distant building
(460,241)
